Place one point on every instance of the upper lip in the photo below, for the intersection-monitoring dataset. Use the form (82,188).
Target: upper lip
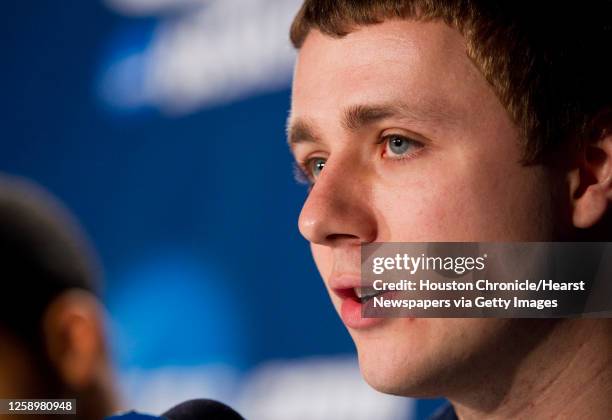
(344,281)
(344,285)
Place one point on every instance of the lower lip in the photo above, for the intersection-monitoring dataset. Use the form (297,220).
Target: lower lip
(350,312)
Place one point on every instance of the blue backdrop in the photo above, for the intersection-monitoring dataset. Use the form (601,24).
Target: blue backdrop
(194,214)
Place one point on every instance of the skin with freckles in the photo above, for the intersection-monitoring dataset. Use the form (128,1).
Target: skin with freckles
(404,140)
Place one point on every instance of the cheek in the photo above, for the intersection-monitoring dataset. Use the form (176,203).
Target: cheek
(456,200)
(423,208)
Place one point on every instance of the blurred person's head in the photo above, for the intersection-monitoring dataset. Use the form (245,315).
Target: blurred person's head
(51,322)
(421,121)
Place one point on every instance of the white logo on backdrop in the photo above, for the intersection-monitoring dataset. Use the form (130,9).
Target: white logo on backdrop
(203,53)
(316,388)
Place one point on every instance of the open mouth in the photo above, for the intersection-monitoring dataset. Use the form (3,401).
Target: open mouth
(359,294)
(365,294)
(355,305)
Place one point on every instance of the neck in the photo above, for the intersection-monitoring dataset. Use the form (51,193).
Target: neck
(566,375)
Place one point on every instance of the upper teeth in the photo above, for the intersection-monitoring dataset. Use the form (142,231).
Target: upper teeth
(364,293)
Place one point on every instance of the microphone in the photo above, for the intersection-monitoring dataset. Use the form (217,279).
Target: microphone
(200,409)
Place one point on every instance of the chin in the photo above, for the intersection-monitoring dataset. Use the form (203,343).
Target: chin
(407,378)
(427,357)
(400,360)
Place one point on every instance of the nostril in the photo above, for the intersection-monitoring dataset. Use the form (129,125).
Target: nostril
(337,237)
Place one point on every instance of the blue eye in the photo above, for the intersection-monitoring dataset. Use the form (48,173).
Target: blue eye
(315,166)
(307,172)
(399,145)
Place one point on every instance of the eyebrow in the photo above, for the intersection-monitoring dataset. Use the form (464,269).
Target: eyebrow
(300,131)
(357,117)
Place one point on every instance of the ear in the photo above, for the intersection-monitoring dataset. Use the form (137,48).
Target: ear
(591,181)
(73,329)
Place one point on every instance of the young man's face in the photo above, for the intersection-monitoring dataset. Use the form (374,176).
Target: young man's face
(416,147)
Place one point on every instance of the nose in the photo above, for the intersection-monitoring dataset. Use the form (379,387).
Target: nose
(338,208)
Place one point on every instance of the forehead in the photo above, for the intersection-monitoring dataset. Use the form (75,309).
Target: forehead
(420,64)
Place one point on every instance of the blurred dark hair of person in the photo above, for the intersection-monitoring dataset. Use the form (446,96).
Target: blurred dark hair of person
(52,331)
